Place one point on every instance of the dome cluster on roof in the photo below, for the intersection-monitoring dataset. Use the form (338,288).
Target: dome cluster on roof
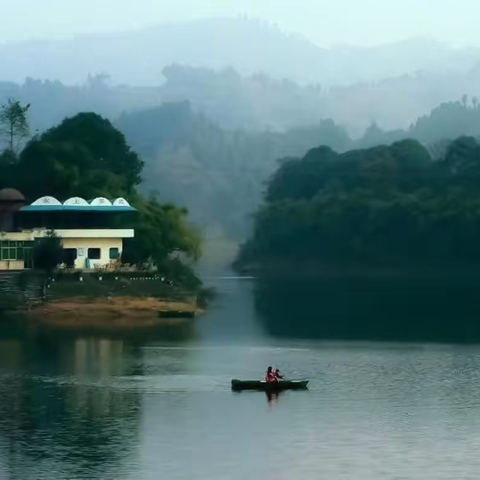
(78,201)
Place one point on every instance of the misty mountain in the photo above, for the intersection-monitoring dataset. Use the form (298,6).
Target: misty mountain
(254,103)
(259,102)
(216,173)
(412,56)
(138,57)
(249,46)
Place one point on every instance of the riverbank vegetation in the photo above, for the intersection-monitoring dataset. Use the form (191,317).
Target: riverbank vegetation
(389,207)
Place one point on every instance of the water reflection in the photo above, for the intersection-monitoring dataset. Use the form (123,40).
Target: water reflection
(59,394)
(371,309)
(272,396)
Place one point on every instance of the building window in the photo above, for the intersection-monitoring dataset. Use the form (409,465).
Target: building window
(114,253)
(14,250)
(94,253)
(8,254)
(17,250)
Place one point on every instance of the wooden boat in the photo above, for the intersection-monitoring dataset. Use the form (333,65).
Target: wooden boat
(261,385)
(177,314)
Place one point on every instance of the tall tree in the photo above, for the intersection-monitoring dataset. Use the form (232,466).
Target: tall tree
(14,125)
(84,155)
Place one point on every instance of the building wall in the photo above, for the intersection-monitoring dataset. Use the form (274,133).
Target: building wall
(30,235)
(17,236)
(79,239)
(12,264)
(83,244)
(91,233)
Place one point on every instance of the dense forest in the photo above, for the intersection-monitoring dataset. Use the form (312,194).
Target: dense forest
(220,174)
(86,156)
(387,206)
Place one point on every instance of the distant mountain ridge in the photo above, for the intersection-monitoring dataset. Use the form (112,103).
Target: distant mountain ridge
(249,46)
(253,103)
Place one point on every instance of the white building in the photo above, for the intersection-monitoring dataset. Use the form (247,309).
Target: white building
(92,233)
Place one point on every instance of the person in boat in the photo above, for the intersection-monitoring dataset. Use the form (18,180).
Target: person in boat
(270,375)
(278,375)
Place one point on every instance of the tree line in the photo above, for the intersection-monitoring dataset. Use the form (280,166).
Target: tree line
(386,206)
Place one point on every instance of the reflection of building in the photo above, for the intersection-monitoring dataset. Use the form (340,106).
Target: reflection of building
(46,420)
(92,233)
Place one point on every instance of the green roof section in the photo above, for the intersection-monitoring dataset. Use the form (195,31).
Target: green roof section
(78,208)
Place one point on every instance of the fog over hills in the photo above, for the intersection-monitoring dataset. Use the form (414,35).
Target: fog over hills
(137,57)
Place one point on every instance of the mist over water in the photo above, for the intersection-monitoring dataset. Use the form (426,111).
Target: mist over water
(234,295)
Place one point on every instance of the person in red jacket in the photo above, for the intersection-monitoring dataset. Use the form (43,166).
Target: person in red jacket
(270,375)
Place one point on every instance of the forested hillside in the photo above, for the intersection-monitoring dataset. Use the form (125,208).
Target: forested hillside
(387,206)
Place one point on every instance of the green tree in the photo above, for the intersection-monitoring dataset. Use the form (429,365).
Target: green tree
(14,127)
(48,252)
(462,157)
(85,155)
(160,230)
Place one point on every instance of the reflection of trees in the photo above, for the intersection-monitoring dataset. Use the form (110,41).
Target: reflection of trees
(371,309)
(59,404)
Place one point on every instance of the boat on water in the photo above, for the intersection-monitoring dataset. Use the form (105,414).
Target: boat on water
(177,314)
(263,386)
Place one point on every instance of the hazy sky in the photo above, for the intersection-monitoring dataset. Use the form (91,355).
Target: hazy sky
(325,22)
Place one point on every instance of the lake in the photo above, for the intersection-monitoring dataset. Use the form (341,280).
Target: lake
(380,406)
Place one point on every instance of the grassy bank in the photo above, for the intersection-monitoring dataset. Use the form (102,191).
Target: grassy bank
(123,312)
(113,301)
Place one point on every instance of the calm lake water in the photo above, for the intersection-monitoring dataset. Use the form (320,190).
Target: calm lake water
(160,407)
